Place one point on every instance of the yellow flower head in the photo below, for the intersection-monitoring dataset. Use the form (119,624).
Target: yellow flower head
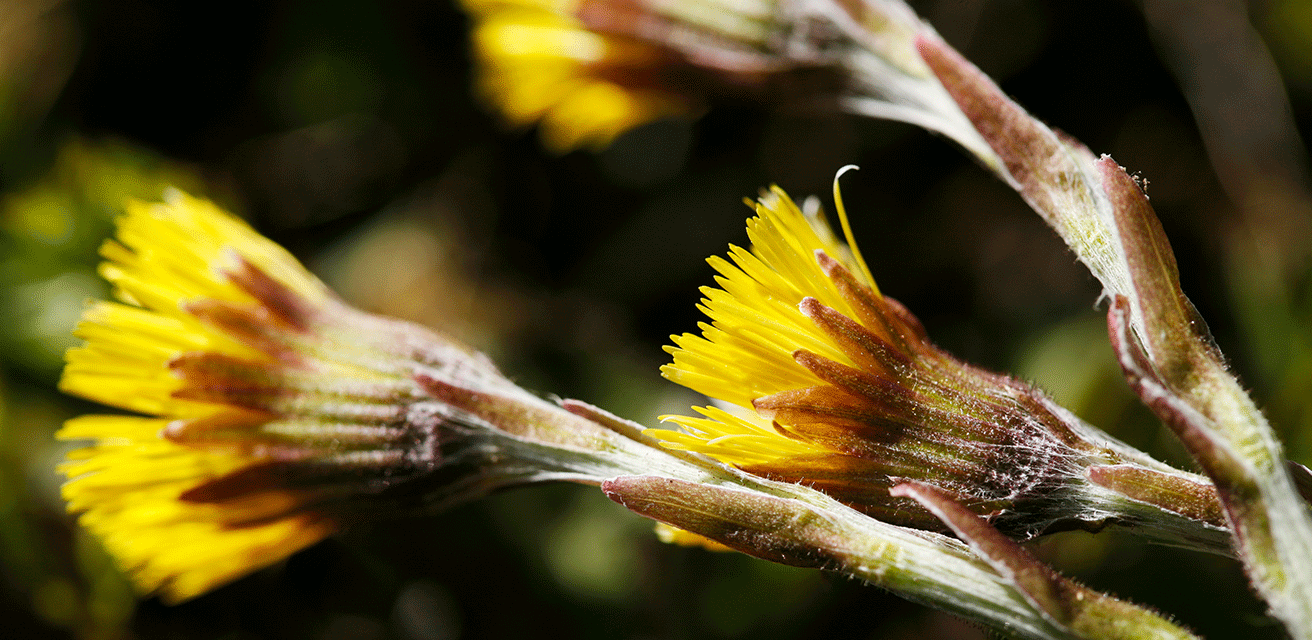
(540,64)
(588,70)
(188,276)
(273,413)
(834,385)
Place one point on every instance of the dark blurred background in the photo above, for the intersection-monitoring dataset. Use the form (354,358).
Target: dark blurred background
(348,132)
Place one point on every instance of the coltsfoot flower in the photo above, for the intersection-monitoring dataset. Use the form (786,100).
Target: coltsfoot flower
(588,70)
(825,381)
(271,413)
(539,64)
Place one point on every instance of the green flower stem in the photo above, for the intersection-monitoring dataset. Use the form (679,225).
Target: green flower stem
(1084,612)
(1228,436)
(792,524)
(1105,218)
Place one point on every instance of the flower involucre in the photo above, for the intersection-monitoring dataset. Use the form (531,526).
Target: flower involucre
(273,413)
(838,387)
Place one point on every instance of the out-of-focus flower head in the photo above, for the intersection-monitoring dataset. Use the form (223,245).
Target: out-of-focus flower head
(540,64)
(830,383)
(588,70)
(272,414)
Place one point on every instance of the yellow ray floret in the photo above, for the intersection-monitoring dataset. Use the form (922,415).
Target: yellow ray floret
(129,484)
(539,64)
(746,351)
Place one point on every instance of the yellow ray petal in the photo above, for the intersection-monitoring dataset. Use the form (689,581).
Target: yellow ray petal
(746,352)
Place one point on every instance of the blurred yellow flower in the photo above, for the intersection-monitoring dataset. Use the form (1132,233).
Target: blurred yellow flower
(540,64)
(588,70)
